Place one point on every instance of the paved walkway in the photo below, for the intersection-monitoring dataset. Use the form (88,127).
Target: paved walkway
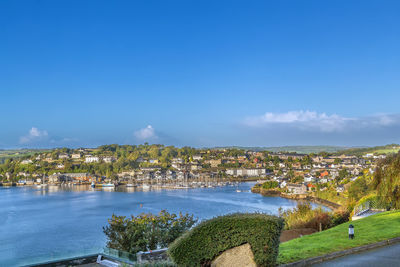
(382,257)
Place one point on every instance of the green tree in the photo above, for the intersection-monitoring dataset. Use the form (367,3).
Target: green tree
(386,180)
(358,189)
(146,231)
(270,184)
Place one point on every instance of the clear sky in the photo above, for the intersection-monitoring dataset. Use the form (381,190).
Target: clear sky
(199,73)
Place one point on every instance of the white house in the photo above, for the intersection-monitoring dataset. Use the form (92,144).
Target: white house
(309,179)
(197,157)
(91,159)
(297,188)
(177,160)
(60,166)
(76,156)
(323,180)
(108,159)
(63,156)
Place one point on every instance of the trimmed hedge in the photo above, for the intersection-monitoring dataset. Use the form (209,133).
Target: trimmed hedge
(202,244)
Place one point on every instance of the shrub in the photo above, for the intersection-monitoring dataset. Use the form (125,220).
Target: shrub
(304,216)
(320,219)
(270,184)
(146,231)
(202,244)
(340,216)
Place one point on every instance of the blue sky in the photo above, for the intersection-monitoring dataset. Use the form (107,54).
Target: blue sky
(199,73)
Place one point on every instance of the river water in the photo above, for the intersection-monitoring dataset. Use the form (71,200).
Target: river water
(54,222)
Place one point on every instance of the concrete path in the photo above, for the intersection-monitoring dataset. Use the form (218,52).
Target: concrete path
(384,256)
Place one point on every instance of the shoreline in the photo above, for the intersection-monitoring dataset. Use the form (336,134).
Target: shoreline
(306,197)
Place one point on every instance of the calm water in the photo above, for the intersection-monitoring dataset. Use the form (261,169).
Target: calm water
(41,224)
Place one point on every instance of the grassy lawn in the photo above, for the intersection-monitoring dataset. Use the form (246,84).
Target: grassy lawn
(372,229)
(332,196)
(386,151)
(18,153)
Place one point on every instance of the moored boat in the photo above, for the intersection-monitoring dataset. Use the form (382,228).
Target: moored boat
(106,185)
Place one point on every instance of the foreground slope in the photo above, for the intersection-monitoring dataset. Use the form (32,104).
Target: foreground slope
(369,230)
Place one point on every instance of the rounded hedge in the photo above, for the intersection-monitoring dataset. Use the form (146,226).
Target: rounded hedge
(199,246)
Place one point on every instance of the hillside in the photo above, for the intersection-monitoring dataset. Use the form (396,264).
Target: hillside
(18,153)
(369,230)
(296,149)
(387,149)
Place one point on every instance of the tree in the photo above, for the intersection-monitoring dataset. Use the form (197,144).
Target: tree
(358,189)
(297,179)
(146,231)
(386,180)
(343,173)
(270,184)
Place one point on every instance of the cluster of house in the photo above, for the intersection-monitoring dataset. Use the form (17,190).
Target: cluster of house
(205,165)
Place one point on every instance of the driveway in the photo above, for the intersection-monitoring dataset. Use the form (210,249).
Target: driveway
(382,257)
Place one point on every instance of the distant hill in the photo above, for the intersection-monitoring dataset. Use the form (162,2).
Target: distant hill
(387,149)
(18,153)
(296,149)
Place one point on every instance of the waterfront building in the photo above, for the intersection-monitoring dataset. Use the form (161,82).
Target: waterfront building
(296,189)
(261,172)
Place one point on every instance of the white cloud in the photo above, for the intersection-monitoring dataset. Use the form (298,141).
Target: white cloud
(34,135)
(321,122)
(146,133)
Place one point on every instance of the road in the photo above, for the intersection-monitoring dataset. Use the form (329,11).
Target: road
(382,257)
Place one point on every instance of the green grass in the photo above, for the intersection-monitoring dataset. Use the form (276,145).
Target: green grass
(369,230)
(18,153)
(331,195)
(386,151)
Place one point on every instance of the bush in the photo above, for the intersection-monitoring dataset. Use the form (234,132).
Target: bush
(146,231)
(340,216)
(202,244)
(304,216)
(270,184)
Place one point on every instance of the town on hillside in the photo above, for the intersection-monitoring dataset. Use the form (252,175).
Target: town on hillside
(186,167)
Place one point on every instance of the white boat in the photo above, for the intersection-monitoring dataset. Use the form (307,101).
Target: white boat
(238,190)
(146,186)
(130,185)
(107,185)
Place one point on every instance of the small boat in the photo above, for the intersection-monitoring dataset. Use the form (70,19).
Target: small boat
(146,186)
(130,185)
(238,190)
(106,185)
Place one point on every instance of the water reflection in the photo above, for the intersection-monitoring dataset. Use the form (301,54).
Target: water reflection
(48,189)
